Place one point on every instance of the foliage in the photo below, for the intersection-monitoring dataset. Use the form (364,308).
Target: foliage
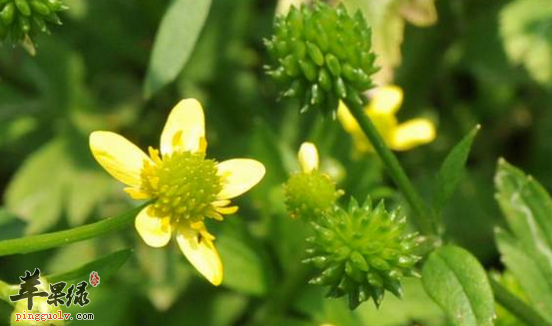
(122,65)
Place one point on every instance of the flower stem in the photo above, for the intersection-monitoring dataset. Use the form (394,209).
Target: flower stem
(422,215)
(517,307)
(56,239)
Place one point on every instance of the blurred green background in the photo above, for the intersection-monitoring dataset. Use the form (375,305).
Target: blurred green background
(460,63)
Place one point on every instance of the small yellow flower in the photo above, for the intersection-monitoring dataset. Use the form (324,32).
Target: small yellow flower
(185,186)
(382,108)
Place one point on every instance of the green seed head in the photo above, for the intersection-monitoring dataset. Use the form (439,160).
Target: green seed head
(309,195)
(22,20)
(322,54)
(361,252)
(184,185)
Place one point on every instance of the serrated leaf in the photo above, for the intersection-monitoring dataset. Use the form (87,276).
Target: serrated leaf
(535,284)
(526,29)
(104,266)
(527,208)
(452,170)
(174,42)
(457,282)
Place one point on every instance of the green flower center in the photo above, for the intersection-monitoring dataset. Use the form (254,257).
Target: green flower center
(185,185)
(310,194)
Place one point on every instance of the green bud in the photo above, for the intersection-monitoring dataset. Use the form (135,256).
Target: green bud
(309,195)
(366,244)
(323,41)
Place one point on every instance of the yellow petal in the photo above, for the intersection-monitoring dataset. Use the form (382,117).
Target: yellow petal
(239,175)
(201,253)
(308,157)
(412,133)
(386,100)
(184,129)
(155,231)
(347,120)
(118,156)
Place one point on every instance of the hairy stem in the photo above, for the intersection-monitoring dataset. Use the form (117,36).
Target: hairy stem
(422,216)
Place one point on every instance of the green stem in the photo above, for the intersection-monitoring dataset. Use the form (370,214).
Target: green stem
(56,239)
(422,215)
(517,307)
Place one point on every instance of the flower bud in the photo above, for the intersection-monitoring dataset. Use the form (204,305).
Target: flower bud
(362,252)
(311,194)
(326,51)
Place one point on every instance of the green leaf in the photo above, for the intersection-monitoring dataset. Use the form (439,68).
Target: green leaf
(85,190)
(36,192)
(104,266)
(457,282)
(174,42)
(534,282)
(243,268)
(526,29)
(526,206)
(452,170)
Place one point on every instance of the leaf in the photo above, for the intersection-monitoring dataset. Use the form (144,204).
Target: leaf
(174,42)
(85,190)
(526,29)
(534,282)
(527,208)
(36,192)
(452,170)
(104,266)
(457,282)
(243,268)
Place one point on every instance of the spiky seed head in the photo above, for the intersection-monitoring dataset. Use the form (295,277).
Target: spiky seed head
(362,252)
(321,54)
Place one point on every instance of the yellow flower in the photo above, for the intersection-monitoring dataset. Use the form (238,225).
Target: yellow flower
(185,186)
(382,108)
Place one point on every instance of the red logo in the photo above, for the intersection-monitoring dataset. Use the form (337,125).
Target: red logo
(94,279)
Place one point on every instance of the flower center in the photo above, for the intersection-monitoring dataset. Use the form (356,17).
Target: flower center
(185,185)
